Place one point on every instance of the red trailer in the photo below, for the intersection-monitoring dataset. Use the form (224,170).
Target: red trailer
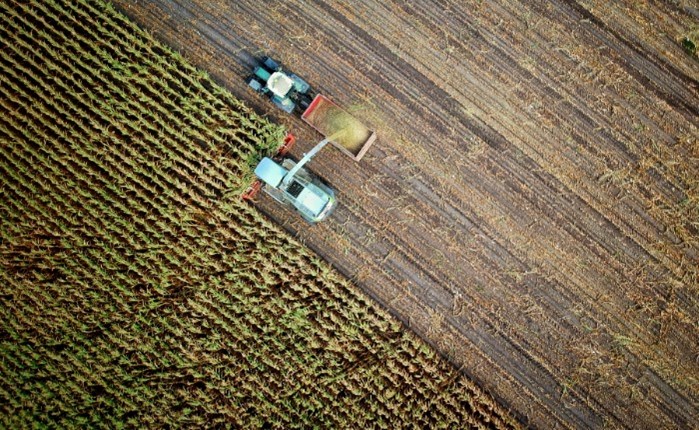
(347,133)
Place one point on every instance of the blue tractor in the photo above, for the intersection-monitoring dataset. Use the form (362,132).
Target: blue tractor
(287,91)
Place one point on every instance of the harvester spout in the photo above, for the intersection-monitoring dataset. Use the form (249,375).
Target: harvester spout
(306,158)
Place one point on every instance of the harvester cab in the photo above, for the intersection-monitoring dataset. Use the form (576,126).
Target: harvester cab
(289,183)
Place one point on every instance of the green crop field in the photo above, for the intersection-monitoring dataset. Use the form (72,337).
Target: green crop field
(137,289)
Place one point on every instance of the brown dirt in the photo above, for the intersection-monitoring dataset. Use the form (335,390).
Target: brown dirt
(531,207)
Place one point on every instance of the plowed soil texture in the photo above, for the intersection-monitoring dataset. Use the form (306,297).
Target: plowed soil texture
(531,205)
(138,290)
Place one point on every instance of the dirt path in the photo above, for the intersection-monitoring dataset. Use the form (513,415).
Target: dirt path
(531,205)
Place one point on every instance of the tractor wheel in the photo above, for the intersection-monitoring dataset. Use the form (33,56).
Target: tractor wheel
(270,64)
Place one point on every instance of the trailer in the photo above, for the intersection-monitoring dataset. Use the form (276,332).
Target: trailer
(349,135)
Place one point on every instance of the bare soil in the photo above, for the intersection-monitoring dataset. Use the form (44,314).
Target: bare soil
(531,207)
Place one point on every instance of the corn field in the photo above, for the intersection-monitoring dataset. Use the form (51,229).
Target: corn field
(139,290)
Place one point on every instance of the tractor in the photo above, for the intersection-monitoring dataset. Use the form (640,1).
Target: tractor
(286,90)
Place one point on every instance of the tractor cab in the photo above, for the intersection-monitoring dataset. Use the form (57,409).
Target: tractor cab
(279,84)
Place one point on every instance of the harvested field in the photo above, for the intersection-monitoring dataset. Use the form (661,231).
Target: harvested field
(137,289)
(531,206)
